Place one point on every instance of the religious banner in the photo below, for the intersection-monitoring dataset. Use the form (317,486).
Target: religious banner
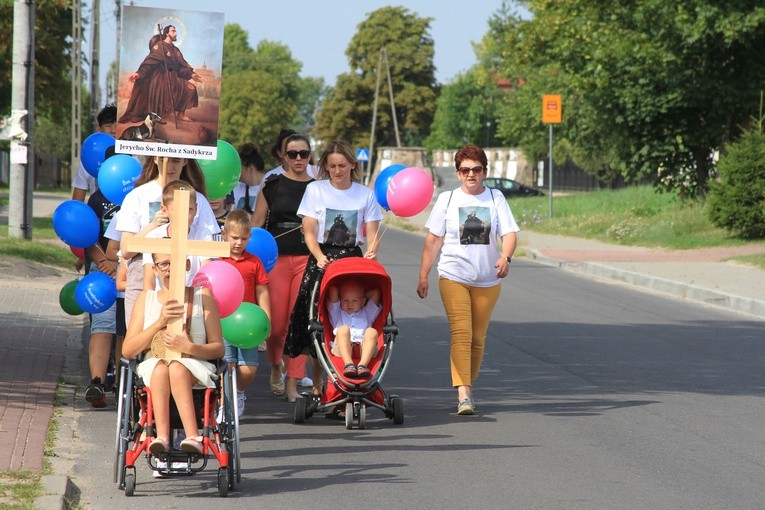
(168,97)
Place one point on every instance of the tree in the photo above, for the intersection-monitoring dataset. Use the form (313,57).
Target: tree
(262,90)
(651,88)
(346,111)
(737,201)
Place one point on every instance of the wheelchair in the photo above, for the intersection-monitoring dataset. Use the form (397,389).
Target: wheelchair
(135,431)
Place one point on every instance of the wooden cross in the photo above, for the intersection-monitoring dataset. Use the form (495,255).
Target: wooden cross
(179,247)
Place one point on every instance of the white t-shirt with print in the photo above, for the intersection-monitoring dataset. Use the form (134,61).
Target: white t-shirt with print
(470,226)
(240,192)
(341,214)
(143,202)
(196,233)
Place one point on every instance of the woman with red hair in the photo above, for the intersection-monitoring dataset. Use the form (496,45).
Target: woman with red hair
(464,225)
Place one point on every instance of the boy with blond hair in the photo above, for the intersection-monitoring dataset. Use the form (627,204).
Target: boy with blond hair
(237,232)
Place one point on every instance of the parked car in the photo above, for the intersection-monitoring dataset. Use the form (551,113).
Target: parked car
(510,188)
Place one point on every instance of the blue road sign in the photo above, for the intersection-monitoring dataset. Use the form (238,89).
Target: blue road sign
(362,154)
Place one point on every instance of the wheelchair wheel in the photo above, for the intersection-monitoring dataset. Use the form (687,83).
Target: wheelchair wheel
(130,482)
(124,412)
(224,482)
(231,427)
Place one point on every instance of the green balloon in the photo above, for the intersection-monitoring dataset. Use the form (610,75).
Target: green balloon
(247,327)
(66,298)
(221,174)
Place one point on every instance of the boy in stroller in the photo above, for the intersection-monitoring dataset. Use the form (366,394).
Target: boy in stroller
(352,312)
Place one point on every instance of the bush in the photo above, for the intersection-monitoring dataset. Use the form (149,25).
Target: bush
(737,201)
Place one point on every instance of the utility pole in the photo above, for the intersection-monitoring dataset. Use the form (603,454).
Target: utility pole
(383,55)
(22,109)
(76,85)
(95,46)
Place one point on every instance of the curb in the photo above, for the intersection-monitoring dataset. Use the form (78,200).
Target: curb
(60,490)
(681,290)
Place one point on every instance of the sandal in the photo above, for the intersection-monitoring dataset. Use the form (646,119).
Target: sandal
(159,446)
(364,372)
(277,382)
(335,414)
(192,445)
(349,370)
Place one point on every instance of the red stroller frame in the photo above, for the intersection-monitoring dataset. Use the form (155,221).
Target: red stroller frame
(355,394)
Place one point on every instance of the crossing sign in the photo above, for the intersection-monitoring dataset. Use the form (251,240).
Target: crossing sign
(362,154)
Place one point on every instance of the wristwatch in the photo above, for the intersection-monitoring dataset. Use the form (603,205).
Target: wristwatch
(509,259)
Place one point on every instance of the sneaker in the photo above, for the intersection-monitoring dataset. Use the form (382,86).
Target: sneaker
(466,406)
(160,474)
(95,393)
(219,416)
(306,382)
(240,398)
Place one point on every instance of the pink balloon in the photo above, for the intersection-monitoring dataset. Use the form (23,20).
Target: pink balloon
(410,192)
(78,252)
(225,283)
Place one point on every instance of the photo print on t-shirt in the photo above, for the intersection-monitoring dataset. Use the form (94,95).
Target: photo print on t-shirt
(475,225)
(340,227)
(154,208)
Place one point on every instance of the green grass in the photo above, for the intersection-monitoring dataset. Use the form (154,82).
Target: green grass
(631,216)
(42,248)
(752,260)
(18,489)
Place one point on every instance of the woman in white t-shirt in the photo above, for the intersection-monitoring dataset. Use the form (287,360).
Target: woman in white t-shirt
(339,215)
(464,225)
(141,213)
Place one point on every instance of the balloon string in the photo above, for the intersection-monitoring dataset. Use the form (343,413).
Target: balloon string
(287,232)
(378,236)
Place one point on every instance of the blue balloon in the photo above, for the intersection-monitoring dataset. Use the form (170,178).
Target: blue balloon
(381,184)
(263,245)
(95,293)
(76,224)
(93,151)
(117,176)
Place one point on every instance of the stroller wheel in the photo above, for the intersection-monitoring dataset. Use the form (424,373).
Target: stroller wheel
(300,409)
(349,416)
(362,416)
(398,410)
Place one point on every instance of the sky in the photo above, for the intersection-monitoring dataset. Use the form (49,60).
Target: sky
(317,32)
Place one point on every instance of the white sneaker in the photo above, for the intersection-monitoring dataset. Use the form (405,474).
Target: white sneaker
(158,474)
(240,398)
(305,382)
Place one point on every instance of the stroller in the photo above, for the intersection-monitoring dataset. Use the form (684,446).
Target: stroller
(135,430)
(356,394)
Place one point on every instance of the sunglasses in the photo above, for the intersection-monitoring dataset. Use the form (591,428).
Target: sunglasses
(295,154)
(464,171)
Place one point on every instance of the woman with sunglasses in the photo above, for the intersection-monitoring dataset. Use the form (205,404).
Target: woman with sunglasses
(276,211)
(464,225)
(340,215)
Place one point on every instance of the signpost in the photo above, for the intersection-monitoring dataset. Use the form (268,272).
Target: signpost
(551,114)
(362,156)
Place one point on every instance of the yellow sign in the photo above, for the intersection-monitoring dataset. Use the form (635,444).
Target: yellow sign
(551,109)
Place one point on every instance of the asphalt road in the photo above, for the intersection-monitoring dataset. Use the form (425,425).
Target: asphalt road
(592,395)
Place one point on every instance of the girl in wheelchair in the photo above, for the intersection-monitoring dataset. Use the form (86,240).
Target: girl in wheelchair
(200,340)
